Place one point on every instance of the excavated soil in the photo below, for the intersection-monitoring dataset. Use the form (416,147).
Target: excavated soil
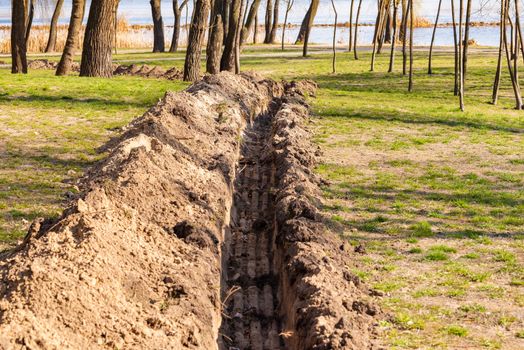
(200,230)
(143,71)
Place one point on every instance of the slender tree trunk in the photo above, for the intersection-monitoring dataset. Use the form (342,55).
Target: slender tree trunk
(433,37)
(405,27)
(177,11)
(197,33)
(496,83)
(309,25)
(307,22)
(516,90)
(97,58)
(250,19)
(18,42)
(518,97)
(237,36)
(255,29)
(461,65)
(226,9)
(158,26)
(355,52)
(403,19)
(228,56)
(289,5)
(394,38)
(334,62)
(411,30)
(29,24)
(274,27)
(350,42)
(456,46)
(269,21)
(51,41)
(466,39)
(75,24)
(387,33)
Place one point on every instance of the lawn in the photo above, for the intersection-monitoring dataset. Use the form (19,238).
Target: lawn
(434,195)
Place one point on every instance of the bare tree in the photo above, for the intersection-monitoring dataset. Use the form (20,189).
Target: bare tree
(496,83)
(433,37)
(250,20)
(312,13)
(51,41)
(158,26)
(97,58)
(461,65)
(466,39)
(228,55)
(274,25)
(334,37)
(404,31)
(177,11)
(18,35)
(196,36)
(214,47)
(289,5)
(237,37)
(75,23)
(308,20)
(356,30)
(456,46)
(411,30)
(350,42)
(29,24)
(268,21)
(393,39)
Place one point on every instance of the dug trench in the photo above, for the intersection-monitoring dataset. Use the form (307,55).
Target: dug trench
(200,230)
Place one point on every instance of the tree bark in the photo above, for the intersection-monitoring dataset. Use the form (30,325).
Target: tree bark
(255,29)
(274,26)
(237,36)
(394,38)
(350,42)
(455,41)
(307,22)
(51,41)
(405,27)
(18,32)
(214,48)
(29,24)
(195,40)
(97,58)
(250,20)
(461,65)
(309,25)
(433,37)
(411,27)
(496,83)
(158,26)
(334,62)
(288,8)
(356,30)
(228,56)
(177,11)
(75,24)
(268,21)
(518,97)
(466,39)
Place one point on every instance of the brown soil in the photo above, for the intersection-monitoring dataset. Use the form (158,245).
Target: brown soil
(147,258)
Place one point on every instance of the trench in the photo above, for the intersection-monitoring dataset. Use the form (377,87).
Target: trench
(250,298)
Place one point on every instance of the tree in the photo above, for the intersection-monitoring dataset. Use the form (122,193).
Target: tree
(18,36)
(496,83)
(433,37)
(350,42)
(411,30)
(158,27)
(51,41)
(269,21)
(97,59)
(334,38)
(289,5)
(228,56)
(177,10)
(394,38)
(75,23)
(309,24)
(356,30)
(196,36)
(250,20)
(274,26)
(214,47)
(455,41)
(307,21)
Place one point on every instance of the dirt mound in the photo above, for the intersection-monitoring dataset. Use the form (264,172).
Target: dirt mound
(149,72)
(41,64)
(134,263)
(324,305)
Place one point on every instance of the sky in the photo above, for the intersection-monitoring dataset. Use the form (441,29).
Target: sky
(138,11)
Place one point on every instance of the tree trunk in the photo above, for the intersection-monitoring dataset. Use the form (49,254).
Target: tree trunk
(225,17)
(309,25)
(456,46)
(29,24)
(18,42)
(237,36)
(334,38)
(461,65)
(196,36)
(308,20)
(97,60)
(411,30)
(250,20)
(394,38)
(387,33)
(404,30)
(496,83)
(228,56)
(288,8)
(350,42)
(356,30)
(51,41)
(268,21)
(158,27)
(255,29)
(433,37)
(518,97)
(75,24)
(214,47)
(274,27)
(466,39)
(177,11)
(378,30)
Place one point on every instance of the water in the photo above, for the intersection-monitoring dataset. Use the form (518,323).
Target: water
(139,12)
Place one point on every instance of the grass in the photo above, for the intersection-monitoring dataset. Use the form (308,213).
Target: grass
(435,195)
